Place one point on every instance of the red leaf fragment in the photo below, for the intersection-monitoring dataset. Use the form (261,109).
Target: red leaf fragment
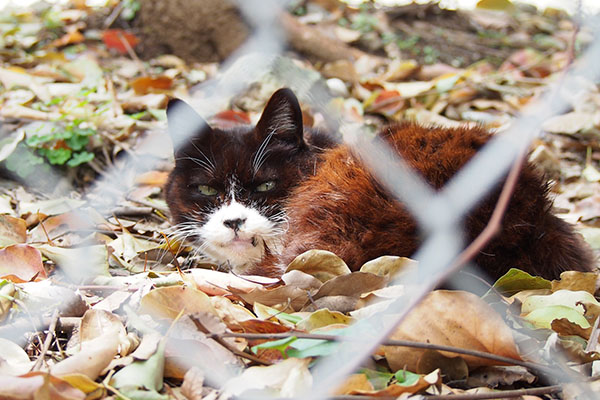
(118,39)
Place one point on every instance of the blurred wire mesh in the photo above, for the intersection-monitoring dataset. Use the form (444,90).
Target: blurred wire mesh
(440,214)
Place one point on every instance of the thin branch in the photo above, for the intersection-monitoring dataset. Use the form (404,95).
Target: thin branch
(49,337)
(219,339)
(404,343)
(500,394)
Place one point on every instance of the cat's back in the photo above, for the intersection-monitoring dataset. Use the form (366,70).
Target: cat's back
(343,209)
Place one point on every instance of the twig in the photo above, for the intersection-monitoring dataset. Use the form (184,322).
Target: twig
(45,231)
(175,262)
(219,339)
(404,343)
(51,335)
(131,53)
(113,15)
(468,396)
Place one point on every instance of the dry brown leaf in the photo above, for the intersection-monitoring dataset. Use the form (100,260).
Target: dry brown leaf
(570,123)
(452,368)
(301,280)
(12,230)
(355,382)
(231,314)
(343,304)
(452,318)
(95,355)
(218,283)
(321,264)
(352,285)
(564,327)
(289,378)
(576,280)
(389,266)
(169,302)
(218,363)
(37,385)
(193,383)
(500,376)
(147,84)
(280,297)
(22,261)
(394,389)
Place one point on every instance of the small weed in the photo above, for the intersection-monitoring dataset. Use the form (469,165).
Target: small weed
(130,8)
(364,22)
(64,146)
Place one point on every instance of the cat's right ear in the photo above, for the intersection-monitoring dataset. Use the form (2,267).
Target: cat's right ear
(184,123)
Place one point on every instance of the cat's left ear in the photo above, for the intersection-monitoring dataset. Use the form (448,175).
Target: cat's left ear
(283,116)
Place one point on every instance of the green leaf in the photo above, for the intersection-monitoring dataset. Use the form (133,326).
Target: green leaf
(77,142)
(516,280)
(315,348)
(406,378)
(80,158)
(543,317)
(57,156)
(146,374)
(378,379)
(282,345)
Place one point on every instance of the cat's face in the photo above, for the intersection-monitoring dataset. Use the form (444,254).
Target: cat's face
(227,188)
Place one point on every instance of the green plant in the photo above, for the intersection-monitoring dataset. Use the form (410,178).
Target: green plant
(130,8)
(364,22)
(64,146)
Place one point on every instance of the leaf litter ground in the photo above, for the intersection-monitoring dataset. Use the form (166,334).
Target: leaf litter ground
(82,228)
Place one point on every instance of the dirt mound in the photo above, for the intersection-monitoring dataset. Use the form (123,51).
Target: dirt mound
(206,30)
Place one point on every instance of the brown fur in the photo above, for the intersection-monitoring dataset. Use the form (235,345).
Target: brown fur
(344,210)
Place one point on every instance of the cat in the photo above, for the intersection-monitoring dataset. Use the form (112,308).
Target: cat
(253,198)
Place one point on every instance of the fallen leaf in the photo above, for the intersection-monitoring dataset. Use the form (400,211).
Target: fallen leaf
(452,318)
(576,280)
(500,376)
(73,36)
(169,302)
(322,318)
(570,123)
(389,266)
(353,284)
(289,378)
(148,84)
(115,38)
(193,384)
(94,356)
(80,263)
(35,385)
(22,261)
(12,230)
(516,280)
(542,318)
(567,298)
(355,382)
(147,374)
(14,359)
(408,382)
(321,264)
(50,207)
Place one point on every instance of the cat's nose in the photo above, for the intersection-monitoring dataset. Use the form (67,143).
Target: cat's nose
(234,224)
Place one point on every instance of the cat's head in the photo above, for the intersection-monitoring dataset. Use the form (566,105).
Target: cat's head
(228,186)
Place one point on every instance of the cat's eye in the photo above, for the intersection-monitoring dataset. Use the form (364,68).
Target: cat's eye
(265,186)
(207,190)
